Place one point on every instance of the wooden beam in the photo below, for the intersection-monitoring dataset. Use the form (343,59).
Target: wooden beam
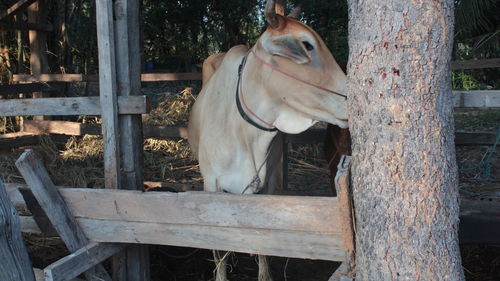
(80,261)
(479,221)
(475,64)
(108,92)
(133,263)
(475,137)
(37,13)
(145,77)
(16,264)
(211,221)
(61,127)
(55,78)
(478,214)
(16,8)
(70,106)
(25,88)
(39,215)
(33,127)
(37,177)
(269,242)
(27,26)
(157,77)
(20,139)
(476,99)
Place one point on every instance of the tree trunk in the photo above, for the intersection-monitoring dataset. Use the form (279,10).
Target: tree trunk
(404,173)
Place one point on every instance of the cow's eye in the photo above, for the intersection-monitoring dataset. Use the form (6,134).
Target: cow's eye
(308,45)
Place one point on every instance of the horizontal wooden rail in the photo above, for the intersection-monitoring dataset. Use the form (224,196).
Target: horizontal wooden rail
(310,136)
(292,226)
(16,8)
(145,77)
(70,106)
(475,64)
(480,219)
(476,99)
(27,88)
(27,26)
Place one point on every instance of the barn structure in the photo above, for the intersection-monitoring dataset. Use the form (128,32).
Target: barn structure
(98,224)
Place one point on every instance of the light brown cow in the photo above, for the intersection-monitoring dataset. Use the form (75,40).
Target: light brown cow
(287,81)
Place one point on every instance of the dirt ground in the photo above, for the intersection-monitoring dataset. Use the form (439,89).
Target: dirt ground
(78,162)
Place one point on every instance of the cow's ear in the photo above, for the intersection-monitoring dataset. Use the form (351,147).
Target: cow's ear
(288,47)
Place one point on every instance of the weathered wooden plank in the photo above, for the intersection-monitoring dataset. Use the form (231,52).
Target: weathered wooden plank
(15,140)
(17,7)
(133,263)
(108,92)
(25,88)
(479,221)
(310,245)
(15,264)
(229,210)
(61,127)
(70,106)
(37,13)
(55,78)
(28,225)
(80,261)
(145,77)
(27,26)
(474,137)
(157,77)
(475,64)
(476,99)
(38,213)
(40,276)
(346,210)
(37,177)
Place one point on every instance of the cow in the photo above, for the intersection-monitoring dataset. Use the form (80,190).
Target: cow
(286,82)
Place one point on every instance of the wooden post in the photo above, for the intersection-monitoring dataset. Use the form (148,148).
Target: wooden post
(108,92)
(342,185)
(122,152)
(37,177)
(38,44)
(134,261)
(15,264)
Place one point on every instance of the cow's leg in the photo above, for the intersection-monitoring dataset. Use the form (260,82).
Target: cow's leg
(220,259)
(264,271)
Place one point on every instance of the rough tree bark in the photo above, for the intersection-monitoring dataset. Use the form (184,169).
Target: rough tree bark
(404,172)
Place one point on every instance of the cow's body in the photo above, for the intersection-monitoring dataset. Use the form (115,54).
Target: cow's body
(230,151)
(289,81)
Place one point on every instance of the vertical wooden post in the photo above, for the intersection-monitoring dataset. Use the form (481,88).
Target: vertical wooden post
(16,264)
(38,45)
(118,37)
(108,92)
(128,75)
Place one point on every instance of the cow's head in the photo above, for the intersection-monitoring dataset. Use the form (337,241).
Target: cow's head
(296,49)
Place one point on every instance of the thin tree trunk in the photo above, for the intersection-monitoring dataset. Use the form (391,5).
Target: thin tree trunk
(401,118)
